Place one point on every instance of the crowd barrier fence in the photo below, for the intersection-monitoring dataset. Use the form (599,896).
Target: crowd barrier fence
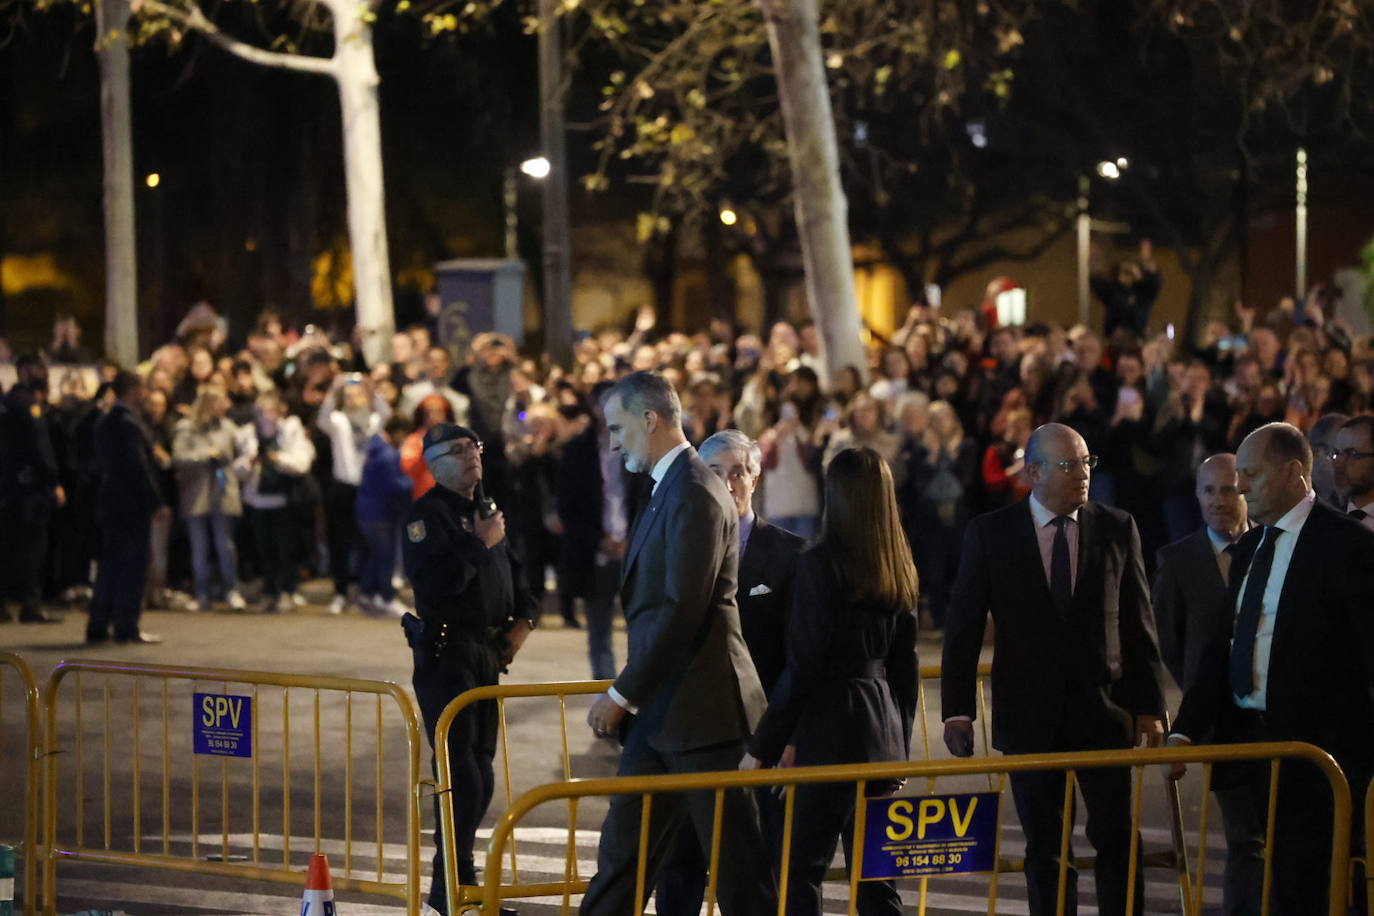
(460,895)
(198,724)
(30,746)
(494,890)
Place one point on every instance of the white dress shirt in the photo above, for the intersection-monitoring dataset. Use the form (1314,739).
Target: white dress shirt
(1368,509)
(658,473)
(1290,526)
(1044,536)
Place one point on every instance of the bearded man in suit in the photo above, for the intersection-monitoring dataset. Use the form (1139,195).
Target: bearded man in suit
(689,696)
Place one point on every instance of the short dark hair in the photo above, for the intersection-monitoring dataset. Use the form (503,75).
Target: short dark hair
(124,382)
(397,425)
(1286,443)
(640,391)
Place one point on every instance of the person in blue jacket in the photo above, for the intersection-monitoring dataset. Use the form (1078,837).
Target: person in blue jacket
(383,499)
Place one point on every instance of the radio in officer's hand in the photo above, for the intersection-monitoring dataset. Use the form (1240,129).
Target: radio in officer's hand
(486,506)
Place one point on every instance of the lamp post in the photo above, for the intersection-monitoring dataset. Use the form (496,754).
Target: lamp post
(557,235)
(536,168)
(1301,233)
(1109,170)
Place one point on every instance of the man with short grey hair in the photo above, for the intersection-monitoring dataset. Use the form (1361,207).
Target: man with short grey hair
(1322,438)
(767,569)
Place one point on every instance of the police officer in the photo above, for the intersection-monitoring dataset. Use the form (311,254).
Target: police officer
(475,611)
(30,490)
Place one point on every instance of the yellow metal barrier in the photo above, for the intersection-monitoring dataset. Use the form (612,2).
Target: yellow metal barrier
(168,701)
(494,892)
(460,895)
(32,749)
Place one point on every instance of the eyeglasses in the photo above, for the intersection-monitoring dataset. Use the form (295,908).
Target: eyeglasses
(1349,454)
(465,447)
(1068,467)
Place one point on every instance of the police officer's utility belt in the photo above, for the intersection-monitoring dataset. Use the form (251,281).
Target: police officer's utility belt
(441,636)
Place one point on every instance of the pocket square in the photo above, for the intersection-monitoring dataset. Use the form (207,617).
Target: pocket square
(760,589)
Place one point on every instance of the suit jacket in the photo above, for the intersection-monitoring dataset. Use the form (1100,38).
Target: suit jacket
(129,491)
(848,694)
(767,574)
(1189,598)
(1087,672)
(689,671)
(1321,658)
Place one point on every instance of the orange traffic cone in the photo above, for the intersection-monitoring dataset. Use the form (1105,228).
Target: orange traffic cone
(319,890)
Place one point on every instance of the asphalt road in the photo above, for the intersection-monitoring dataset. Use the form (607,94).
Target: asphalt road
(311,642)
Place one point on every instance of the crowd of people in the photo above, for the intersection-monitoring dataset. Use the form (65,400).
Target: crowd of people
(284,454)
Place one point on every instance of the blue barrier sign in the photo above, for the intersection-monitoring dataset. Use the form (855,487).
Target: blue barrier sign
(223,725)
(930,835)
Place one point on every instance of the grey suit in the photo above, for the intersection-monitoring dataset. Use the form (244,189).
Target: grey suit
(1189,598)
(698,697)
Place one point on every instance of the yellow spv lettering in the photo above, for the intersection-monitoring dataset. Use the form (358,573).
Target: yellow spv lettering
(221,709)
(932,812)
(207,711)
(899,814)
(961,826)
(235,708)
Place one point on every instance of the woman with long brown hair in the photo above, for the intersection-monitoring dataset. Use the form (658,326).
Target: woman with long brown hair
(848,694)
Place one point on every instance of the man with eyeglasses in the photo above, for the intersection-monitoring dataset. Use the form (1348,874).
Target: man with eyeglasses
(475,612)
(1353,461)
(1076,663)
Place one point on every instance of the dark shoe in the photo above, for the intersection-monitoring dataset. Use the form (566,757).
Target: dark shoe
(5,615)
(97,639)
(147,639)
(572,623)
(38,615)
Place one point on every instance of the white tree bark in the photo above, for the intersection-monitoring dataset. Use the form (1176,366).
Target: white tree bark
(821,208)
(116,128)
(354,70)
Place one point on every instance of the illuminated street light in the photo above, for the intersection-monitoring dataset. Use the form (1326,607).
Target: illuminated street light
(537,168)
(1122,162)
(728,216)
(153,180)
(1108,170)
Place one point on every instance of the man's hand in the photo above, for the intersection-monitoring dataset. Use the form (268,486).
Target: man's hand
(1176,771)
(515,638)
(162,515)
(1149,731)
(60,495)
(959,737)
(491,531)
(605,716)
(789,757)
(750,762)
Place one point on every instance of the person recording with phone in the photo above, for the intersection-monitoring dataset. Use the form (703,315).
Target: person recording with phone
(475,612)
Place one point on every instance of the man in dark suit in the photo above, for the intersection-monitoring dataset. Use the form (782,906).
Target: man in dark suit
(688,696)
(1297,664)
(1075,663)
(128,498)
(1189,600)
(1352,457)
(767,575)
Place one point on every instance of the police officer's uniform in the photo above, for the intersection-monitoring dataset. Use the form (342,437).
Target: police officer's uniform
(28,497)
(467,597)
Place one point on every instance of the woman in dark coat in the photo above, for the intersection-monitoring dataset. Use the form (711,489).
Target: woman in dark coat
(848,694)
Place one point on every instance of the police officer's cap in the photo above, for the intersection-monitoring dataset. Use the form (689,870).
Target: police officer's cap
(440,434)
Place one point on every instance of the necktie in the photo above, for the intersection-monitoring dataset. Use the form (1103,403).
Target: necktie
(1247,622)
(1061,572)
(1224,559)
(1359,515)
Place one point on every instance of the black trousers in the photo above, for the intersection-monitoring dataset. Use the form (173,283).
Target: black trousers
(123,567)
(25,524)
(745,885)
(682,879)
(276,534)
(471,749)
(342,527)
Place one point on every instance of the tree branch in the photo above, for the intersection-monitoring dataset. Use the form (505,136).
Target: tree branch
(193,19)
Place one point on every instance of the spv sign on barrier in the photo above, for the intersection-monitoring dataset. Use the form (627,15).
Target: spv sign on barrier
(930,835)
(223,725)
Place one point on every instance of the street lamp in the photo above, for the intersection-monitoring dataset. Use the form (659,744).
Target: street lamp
(728,216)
(537,168)
(153,180)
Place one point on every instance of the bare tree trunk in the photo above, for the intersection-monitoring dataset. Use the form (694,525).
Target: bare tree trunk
(821,207)
(116,127)
(355,71)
